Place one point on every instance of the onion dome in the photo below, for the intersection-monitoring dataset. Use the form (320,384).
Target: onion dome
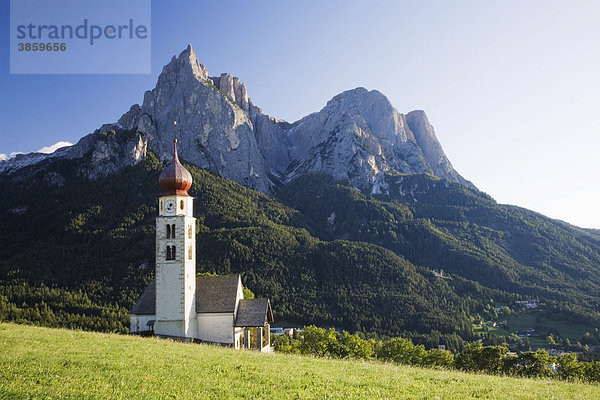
(175,179)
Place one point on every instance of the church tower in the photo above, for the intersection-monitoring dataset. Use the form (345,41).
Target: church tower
(175,254)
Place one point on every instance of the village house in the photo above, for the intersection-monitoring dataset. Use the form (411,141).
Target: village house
(182,306)
(530,303)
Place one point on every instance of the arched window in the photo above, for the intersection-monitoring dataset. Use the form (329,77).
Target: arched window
(189,231)
(168,231)
(170,252)
(189,252)
(173,231)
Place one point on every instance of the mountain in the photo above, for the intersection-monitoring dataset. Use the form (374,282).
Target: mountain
(344,218)
(358,136)
(77,252)
(461,230)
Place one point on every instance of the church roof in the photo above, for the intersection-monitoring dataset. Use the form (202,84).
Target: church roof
(146,304)
(254,312)
(216,294)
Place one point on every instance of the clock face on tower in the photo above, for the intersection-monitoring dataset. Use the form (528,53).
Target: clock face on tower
(170,207)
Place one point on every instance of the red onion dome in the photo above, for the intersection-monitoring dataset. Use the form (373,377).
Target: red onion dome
(175,179)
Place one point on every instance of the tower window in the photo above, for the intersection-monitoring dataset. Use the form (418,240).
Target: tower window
(170,252)
(189,231)
(173,231)
(189,252)
(181,204)
(168,231)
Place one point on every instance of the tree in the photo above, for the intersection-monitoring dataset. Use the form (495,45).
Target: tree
(592,371)
(285,344)
(492,358)
(567,367)
(402,351)
(475,357)
(533,364)
(468,359)
(439,358)
(352,346)
(313,341)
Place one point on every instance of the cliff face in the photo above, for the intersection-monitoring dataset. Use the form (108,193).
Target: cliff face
(211,122)
(431,148)
(358,136)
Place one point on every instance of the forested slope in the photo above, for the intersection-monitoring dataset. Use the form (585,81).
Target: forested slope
(78,253)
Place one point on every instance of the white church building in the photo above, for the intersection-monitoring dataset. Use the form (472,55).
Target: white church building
(180,305)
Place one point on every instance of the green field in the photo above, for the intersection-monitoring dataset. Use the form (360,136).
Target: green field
(43,363)
(571,330)
(543,325)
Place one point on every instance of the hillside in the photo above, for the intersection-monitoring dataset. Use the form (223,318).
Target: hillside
(90,255)
(49,363)
(78,252)
(347,226)
(443,225)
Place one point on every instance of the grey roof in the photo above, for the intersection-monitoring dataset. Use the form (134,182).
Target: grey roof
(254,312)
(216,294)
(146,304)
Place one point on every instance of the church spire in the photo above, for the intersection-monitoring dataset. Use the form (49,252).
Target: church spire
(175,179)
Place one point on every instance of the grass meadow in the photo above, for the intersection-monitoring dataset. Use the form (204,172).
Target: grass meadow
(43,363)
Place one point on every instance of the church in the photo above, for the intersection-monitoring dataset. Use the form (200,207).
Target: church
(182,306)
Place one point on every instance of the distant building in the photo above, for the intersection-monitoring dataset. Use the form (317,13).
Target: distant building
(277,331)
(555,352)
(290,331)
(179,305)
(531,303)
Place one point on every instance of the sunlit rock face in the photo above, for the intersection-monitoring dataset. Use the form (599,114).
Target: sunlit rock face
(357,137)
(210,122)
(431,148)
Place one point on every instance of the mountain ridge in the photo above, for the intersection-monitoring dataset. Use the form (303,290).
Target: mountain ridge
(357,136)
(78,252)
(355,223)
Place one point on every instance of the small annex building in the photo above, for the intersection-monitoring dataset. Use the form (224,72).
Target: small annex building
(180,305)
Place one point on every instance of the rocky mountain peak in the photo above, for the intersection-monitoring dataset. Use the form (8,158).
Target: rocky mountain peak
(358,136)
(209,116)
(358,100)
(381,117)
(182,68)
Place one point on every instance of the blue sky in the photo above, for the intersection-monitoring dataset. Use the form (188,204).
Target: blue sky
(511,87)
